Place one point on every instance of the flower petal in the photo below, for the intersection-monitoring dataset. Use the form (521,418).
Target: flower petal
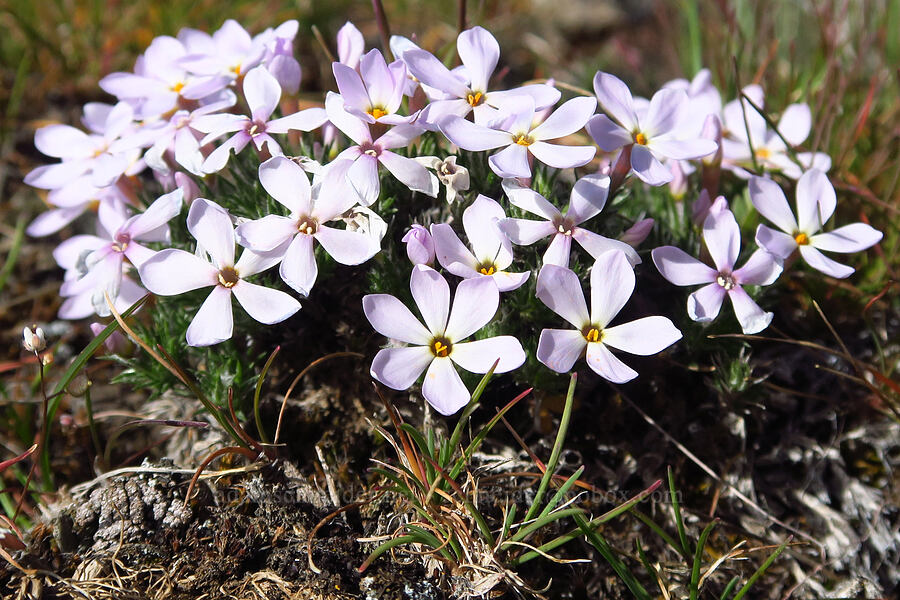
(527,199)
(163,209)
(560,290)
(815,201)
(606,365)
(363,175)
(820,262)
(287,182)
(644,336)
(558,349)
(449,250)
(612,283)
(525,232)
(680,268)
(432,72)
(479,52)
(304,120)
(398,368)
(507,281)
(472,137)
(762,268)
(562,157)
(665,113)
(298,268)
(616,99)
(263,235)
(346,247)
(609,135)
(596,244)
(682,149)
(647,168)
(410,173)
(443,389)
(752,318)
(210,224)
(778,243)
(392,319)
(723,239)
(262,92)
(352,127)
(566,120)
(849,238)
(795,123)
(264,304)
(214,322)
(559,250)
(588,197)
(769,200)
(511,162)
(170,272)
(487,240)
(432,296)
(479,356)
(351,87)
(704,304)
(474,304)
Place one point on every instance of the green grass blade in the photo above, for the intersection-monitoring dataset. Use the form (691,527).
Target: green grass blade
(762,569)
(679,523)
(606,551)
(698,559)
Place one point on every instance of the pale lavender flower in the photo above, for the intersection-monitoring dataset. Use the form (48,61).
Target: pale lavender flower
(816,202)
(279,56)
(466,89)
(177,139)
(120,238)
(454,177)
(159,82)
(515,132)
(491,250)
(703,99)
(769,149)
(262,93)
(350,45)
(229,52)
(587,200)
(171,272)
(438,345)
(375,92)
(651,136)
(310,208)
(419,245)
(103,153)
(367,154)
(612,283)
(723,240)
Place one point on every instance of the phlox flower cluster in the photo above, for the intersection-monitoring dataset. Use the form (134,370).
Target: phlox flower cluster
(194,100)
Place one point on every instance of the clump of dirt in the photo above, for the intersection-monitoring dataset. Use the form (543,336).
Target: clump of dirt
(242,535)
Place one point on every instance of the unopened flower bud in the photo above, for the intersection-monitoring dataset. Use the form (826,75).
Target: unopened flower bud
(188,186)
(79,385)
(33,339)
(712,130)
(679,184)
(419,245)
(638,232)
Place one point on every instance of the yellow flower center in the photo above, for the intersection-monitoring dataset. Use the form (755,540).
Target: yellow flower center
(441,347)
(228,277)
(523,139)
(377,112)
(178,87)
(487,269)
(640,139)
(307,225)
(592,334)
(801,238)
(236,69)
(763,153)
(475,99)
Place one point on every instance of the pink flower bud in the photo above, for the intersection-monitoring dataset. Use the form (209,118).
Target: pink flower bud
(188,186)
(638,232)
(712,130)
(679,184)
(703,207)
(419,245)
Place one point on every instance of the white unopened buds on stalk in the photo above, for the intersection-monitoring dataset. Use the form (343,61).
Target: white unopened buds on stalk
(33,339)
